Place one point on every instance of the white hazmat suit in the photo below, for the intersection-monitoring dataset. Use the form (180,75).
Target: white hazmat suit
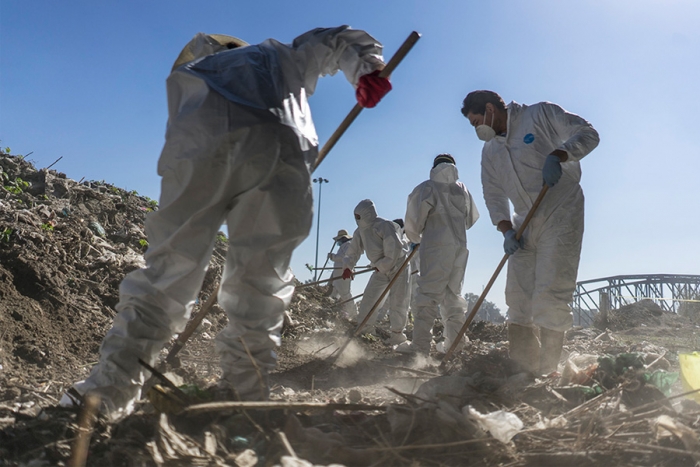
(541,275)
(380,239)
(342,287)
(438,214)
(240,144)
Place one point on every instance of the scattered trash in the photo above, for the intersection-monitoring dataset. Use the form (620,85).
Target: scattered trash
(690,373)
(97,229)
(578,369)
(501,424)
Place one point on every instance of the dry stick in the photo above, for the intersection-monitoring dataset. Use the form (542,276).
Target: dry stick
(322,349)
(647,405)
(261,380)
(164,379)
(302,286)
(86,423)
(412,447)
(271,405)
(388,69)
(376,305)
(481,299)
(54,163)
(348,300)
(287,445)
(189,330)
(408,397)
(646,367)
(411,370)
(651,447)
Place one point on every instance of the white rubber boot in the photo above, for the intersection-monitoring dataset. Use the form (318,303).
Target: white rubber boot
(523,347)
(550,353)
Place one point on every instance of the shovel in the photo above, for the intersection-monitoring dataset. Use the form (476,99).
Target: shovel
(191,326)
(358,296)
(376,305)
(327,258)
(386,71)
(482,297)
(331,279)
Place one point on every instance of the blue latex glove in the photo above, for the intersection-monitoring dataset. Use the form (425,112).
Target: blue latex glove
(551,172)
(510,244)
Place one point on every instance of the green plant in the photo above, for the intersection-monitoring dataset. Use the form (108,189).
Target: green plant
(221,238)
(144,243)
(47,227)
(6,234)
(5,150)
(16,186)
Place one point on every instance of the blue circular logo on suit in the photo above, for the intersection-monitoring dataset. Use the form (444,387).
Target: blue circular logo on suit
(529,138)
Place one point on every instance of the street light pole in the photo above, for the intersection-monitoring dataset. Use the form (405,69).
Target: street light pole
(320,182)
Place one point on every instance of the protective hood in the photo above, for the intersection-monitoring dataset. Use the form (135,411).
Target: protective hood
(444,173)
(367,212)
(202,45)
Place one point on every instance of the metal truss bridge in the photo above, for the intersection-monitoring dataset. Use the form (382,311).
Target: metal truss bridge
(666,290)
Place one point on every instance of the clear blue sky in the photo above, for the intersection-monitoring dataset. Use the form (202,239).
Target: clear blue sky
(85,80)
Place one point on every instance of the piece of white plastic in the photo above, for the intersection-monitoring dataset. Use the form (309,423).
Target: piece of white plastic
(501,424)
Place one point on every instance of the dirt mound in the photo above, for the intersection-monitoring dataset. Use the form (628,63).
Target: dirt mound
(65,247)
(642,313)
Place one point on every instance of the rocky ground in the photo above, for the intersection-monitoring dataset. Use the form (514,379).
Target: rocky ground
(66,245)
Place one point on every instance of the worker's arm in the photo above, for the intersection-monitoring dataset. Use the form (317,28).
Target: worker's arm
(470,205)
(324,51)
(354,251)
(340,254)
(494,196)
(420,203)
(577,135)
(393,248)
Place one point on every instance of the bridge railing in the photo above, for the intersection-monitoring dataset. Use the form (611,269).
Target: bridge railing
(669,291)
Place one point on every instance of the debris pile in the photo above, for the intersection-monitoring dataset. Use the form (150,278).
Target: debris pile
(65,246)
(642,313)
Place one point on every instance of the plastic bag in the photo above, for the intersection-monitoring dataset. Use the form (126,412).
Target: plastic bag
(501,424)
(690,373)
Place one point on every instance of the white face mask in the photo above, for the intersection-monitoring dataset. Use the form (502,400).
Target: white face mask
(485,132)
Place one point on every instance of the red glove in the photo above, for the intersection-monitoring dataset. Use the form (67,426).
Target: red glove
(347,274)
(371,88)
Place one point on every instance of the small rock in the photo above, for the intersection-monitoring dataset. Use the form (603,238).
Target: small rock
(354,396)
(204,326)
